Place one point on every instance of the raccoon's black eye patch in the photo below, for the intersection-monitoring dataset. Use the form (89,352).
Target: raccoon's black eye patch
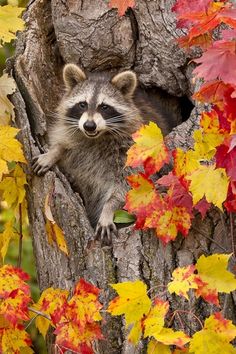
(77,110)
(109,112)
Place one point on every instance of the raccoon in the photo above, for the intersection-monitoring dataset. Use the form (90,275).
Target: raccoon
(96,119)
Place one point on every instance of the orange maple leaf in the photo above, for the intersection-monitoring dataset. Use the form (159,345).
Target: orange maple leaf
(121,5)
(142,200)
(149,149)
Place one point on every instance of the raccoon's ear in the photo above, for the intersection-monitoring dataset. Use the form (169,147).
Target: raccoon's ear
(72,75)
(126,82)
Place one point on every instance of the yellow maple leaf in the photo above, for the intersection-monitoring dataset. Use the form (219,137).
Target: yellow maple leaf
(185,162)
(135,333)
(214,276)
(13,188)
(15,340)
(157,348)
(214,337)
(54,232)
(10,22)
(210,182)
(7,87)
(184,279)
(149,149)
(132,301)
(5,238)
(168,336)
(154,322)
(10,148)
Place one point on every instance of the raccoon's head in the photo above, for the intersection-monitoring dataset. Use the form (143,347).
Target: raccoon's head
(96,103)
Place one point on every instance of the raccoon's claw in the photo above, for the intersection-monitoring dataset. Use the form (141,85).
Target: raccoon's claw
(105,232)
(40,164)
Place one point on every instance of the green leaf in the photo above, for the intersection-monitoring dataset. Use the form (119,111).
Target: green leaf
(123,217)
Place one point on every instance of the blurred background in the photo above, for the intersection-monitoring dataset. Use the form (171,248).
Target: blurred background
(28,262)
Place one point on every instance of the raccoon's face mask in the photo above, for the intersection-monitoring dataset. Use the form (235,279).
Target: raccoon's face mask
(98,104)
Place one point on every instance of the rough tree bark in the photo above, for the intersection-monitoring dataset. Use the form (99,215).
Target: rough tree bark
(87,32)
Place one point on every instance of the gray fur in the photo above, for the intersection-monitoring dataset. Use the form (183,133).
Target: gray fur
(95,165)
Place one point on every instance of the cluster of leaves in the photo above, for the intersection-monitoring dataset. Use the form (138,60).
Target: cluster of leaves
(147,318)
(12,177)
(191,186)
(76,318)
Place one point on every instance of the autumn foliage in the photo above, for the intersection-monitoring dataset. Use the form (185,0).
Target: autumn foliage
(202,177)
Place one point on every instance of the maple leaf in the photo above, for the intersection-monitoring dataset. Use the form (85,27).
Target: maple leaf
(76,328)
(169,337)
(70,337)
(216,334)
(84,305)
(230,203)
(214,277)
(5,238)
(13,188)
(54,232)
(52,302)
(12,279)
(7,87)
(213,92)
(157,348)
(169,221)
(10,22)
(142,199)
(222,52)
(15,341)
(203,182)
(182,7)
(132,301)
(136,332)
(185,162)
(154,322)
(121,5)
(184,279)
(178,194)
(149,149)
(202,206)
(10,148)
(15,307)
(225,158)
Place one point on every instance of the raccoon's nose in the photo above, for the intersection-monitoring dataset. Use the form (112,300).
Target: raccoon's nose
(90,126)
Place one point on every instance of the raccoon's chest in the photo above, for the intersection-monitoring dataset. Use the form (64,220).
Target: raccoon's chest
(95,165)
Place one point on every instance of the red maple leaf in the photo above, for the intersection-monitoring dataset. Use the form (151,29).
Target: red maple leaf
(222,53)
(202,206)
(226,158)
(121,5)
(230,203)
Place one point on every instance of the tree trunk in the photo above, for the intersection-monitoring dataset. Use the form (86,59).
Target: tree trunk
(90,34)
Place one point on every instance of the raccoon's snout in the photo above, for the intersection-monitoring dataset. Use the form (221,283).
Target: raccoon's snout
(90,126)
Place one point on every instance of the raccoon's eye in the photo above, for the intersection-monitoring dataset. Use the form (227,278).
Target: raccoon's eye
(82,105)
(104,106)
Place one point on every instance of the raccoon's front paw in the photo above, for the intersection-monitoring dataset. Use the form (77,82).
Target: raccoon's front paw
(104,230)
(41,164)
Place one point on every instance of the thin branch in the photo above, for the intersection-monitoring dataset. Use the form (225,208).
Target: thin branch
(20,237)
(32,319)
(39,313)
(210,239)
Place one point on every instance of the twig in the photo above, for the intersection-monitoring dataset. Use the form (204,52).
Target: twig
(32,319)
(210,239)
(39,313)
(20,237)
